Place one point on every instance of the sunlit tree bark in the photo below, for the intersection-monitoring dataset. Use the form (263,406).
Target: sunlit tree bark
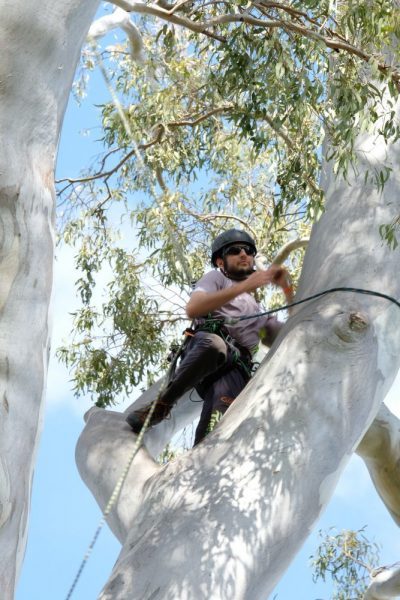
(385,583)
(240,505)
(40,47)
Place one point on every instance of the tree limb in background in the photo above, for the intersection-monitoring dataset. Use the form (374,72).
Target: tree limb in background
(119,19)
(385,583)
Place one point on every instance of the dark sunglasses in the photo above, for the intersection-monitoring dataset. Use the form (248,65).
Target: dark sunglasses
(236,250)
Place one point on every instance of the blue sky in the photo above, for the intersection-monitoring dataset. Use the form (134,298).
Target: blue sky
(64,516)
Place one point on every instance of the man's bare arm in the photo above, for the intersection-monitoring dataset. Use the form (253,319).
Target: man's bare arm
(202,303)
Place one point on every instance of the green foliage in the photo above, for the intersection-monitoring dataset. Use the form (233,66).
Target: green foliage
(229,127)
(388,233)
(347,558)
(105,353)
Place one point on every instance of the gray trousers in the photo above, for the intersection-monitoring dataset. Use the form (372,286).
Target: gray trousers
(209,365)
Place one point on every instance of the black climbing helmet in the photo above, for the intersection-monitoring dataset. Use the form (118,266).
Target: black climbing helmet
(227,238)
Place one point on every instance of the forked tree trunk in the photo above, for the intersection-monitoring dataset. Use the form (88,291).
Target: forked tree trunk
(238,506)
(40,46)
(226,519)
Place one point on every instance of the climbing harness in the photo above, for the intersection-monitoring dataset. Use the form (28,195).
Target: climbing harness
(240,356)
(175,352)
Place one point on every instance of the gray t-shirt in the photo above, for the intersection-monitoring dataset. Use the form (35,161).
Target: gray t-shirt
(246,333)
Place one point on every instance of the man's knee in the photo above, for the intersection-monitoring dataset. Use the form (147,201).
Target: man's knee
(213,345)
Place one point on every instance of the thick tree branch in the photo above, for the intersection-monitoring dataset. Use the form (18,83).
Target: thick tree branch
(157,11)
(97,453)
(385,583)
(380,450)
(119,19)
(40,49)
(288,249)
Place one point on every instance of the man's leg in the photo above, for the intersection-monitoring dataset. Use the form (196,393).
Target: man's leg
(218,397)
(205,353)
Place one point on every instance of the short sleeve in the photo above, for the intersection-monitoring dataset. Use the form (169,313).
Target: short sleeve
(210,282)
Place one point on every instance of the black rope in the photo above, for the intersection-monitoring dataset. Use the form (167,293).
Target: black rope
(234,320)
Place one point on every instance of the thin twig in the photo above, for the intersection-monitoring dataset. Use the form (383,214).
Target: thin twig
(160,130)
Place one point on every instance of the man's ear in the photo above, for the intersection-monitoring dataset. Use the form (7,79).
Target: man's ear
(219,262)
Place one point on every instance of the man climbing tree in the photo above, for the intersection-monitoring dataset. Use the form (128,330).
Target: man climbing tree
(285,77)
(218,358)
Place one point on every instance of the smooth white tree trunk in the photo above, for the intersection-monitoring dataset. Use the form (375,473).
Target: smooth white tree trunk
(225,520)
(239,506)
(380,450)
(385,583)
(40,46)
